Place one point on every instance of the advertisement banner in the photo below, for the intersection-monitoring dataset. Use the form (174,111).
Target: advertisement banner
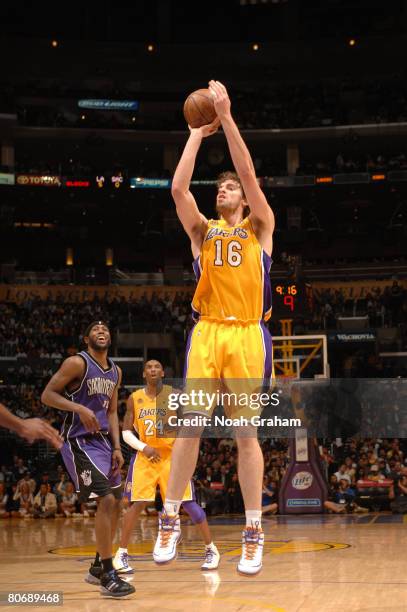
(84,293)
(38,180)
(122,105)
(354,289)
(7,179)
(362,336)
(78,183)
(155,183)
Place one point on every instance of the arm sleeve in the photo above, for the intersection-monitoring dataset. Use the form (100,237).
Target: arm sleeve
(132,440)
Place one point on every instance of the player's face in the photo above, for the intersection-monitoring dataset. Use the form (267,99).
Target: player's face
(99,338)
(153,371)
(229,197)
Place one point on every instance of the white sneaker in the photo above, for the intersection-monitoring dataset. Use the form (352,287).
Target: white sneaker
(169,533)
(121,563)
(252,551)
(212,558)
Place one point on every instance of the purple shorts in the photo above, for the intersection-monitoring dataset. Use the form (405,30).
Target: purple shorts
(88,460)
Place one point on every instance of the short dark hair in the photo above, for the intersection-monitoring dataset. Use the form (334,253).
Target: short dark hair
(148,361)
(233,176)
(91,325)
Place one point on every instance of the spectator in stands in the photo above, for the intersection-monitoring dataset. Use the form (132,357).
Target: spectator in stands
(25,501)
(269,496)
(68,500)
(234,499)
(398,495)
(45,503)
(19,469)
(30,481)
(60,486)
(343,473)
(3,501)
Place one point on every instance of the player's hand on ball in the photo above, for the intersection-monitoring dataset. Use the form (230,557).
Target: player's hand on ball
(221,98)
(207,130)
(89,419)
(152,454)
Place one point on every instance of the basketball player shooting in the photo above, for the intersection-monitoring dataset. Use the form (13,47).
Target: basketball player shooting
(86,387)
(232,258)
(147,414)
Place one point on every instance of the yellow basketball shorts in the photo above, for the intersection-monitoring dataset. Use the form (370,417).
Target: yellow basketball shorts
(143,476)
(236,356)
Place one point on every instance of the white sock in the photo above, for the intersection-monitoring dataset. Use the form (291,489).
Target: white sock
(121,550)
(172,506)
(253,518)
(211,545)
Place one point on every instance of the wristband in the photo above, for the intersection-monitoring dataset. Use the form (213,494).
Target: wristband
(132,440)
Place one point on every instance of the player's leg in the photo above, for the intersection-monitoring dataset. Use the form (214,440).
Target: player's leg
(248,369)
(199,371)
(183,464)
(198,518)
(89,463)
(139,490)
(120,561)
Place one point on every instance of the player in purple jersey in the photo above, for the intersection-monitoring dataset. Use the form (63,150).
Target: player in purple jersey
(85,386)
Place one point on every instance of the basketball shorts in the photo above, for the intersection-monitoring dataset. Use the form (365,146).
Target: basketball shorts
(230,356)
(88,460)
(143,477)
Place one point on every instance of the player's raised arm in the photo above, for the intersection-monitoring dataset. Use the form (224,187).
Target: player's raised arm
(259,207)
(71,371)
(193,221)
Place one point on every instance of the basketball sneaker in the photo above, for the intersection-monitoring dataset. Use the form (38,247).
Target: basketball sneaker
(94,574)
(212,558)
(169,533)
(113,586)
(121,563)
(252,551)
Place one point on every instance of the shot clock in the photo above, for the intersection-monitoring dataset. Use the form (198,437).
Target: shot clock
(289,299)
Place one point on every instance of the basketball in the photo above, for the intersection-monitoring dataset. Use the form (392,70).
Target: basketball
(199,109)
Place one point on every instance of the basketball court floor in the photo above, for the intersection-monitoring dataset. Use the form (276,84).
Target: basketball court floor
(311,564)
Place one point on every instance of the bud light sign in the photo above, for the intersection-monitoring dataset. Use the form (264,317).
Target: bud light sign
(302,481)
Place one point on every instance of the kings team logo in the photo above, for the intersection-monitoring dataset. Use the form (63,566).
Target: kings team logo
(86,476)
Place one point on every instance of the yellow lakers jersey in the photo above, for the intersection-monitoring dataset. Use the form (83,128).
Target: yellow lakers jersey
(151,416)
(232,271)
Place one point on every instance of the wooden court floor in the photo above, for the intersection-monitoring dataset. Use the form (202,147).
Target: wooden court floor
(311,564)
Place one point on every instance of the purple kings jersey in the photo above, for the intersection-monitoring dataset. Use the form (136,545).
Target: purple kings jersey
(95,392)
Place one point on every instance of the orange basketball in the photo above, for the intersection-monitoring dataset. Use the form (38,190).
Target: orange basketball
(199,109)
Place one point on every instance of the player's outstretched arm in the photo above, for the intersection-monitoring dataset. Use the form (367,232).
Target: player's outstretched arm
(194,223)
(71,370)
(30,429)
(241,158)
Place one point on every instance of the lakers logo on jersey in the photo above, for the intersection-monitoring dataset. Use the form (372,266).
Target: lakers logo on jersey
(151,416)
(233,275)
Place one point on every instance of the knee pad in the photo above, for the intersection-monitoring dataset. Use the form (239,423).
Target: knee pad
(196,513)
